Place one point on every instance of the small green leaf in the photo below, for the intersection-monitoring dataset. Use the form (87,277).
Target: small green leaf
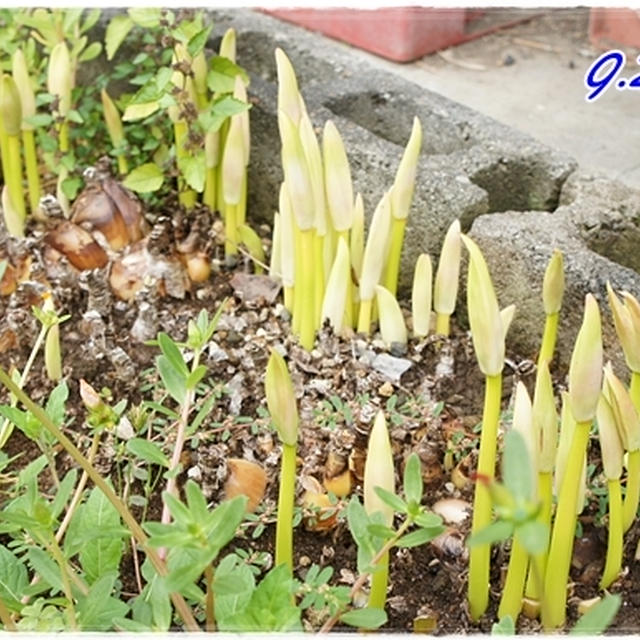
(412,481)
(495,532)
(195,376)
(394,501)
(598,618)
(91,52)
(427,520)
(381,531)
(145,178)
(138,111)
(366,618)
(194,170)
(174,381)
(418,537)
(172,353)
(117,30)
(505,627)
(97,610)
(13,579)
(198,41)
(55,407)
(222,73)
(40,120)
(147,451)
(533,536)
(147,18)
(516,466)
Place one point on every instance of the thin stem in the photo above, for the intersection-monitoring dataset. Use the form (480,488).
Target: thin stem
(613,563)
(307,288)
(296,319)
(511,601)
(181,606)
(66,585)
(318,276)
(379,582)
(186,196)
(231,230)
(209,195)
(364,316)
(63,137)
(362,578)
(31,167)
(548,338)
(564,527)
(123,165)
(210,624)
(14,178)
(288,298)
(442,324)
(286,494)
(7,425)
(632,494)
(479,556)
(394,255)
(242,205)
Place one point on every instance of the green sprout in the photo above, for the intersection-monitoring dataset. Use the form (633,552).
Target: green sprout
(421,296)
(281,401)
(445,287)
(585,376)
(552,292)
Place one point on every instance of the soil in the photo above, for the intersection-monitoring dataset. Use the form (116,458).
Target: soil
(433,409)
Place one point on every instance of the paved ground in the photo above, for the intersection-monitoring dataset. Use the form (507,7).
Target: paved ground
(531,77)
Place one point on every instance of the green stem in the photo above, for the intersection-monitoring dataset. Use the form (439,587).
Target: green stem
(545,495)
(318,276)
(66,584)
(564,527)
(14,177)
(7,425)
(210,624)
(634,389)
(613,563)
(242,205)
(511,601)
(632,494)
(288,299)
(284,524)
(442,324)
(230,231)
(307,288)
(209,195)
(31,167)
(379,582)
(549,338)
(364,317)
(479,556)
(181,606)
(186,196)
(348,306)
(296,320)
(395,253)
(63,137)
(123,165)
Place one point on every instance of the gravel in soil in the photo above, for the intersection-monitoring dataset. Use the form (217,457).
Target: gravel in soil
(432,393)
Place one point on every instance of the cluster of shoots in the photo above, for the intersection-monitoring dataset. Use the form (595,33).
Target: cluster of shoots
(329,269)
(538,571)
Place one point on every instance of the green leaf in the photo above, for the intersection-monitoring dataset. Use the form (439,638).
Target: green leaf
(42,563)
(172,353)
(55,407)
(196,501)
(533,536)
(175,382)
(91,52)
(13,579)
(145,178)
(138,111)
(39,120)
(516,466)
(64,491)
(198,41)
(233,585)
(194,170)
(598,618)
(412,481)
(117,30)
(394,501)
(219,110)
(381,531)
(147,451)
(97,610)
(90,20)
(418,537)
(427,520)
(104,553)
(366,618)
(495,532)
(195,376)
(222,73)
(147,18)
(505,627)
(160,604)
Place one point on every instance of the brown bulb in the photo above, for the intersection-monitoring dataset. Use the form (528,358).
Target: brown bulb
(339,485)
(245,479)
(127,273)
(80,249)
(325,514)
(9,282)
(198,267)
(94,209)
(130,209)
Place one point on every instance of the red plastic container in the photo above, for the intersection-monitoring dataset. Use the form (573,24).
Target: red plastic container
(611,27)
(399,33)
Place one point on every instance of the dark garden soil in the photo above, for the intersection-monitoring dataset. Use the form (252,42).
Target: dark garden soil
(433,408)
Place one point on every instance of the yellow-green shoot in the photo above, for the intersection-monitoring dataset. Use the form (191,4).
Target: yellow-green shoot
(421,293)
(335,298)
(233,180)
(60,85)
(401,196)
(392,327)
(552,293)
(22,79)
(545,422)
(626,317)
(628,424)
(281,401)
(251,240)
(11,112)
(445,287)
(585,381)
(612,454)
(379,472)
(373,260)
(113,122)
(488,334)
(511,600)
(286,243)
